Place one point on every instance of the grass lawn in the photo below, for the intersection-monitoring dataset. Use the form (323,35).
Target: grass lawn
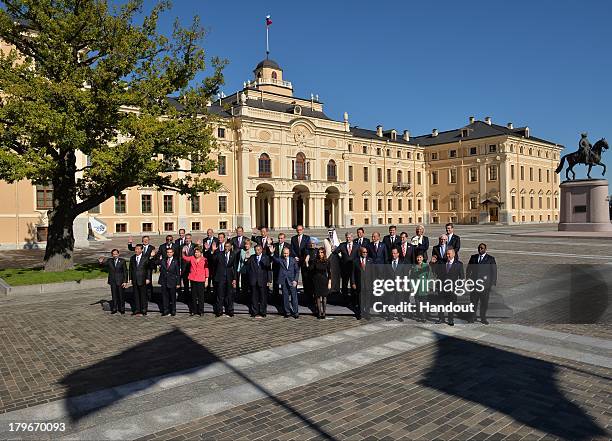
(35,276)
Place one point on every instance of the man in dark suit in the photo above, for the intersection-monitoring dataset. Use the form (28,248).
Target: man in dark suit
(258,270)
(361,240)
(482,266)
(451,270)
(406,250)
(117,279)
(396,268)
(207,245)
(391,240)
(224,263)
(180,242)
(238,240)
(147,248)
(188,249)
(169,244)
(358,283)
(287,278)
(169,279)
(139,276)
(276,251)
(453,241)
(348,253)
(440,250)
(299,246)
(262,239)
(378,251)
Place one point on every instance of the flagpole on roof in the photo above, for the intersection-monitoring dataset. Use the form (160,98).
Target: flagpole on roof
(268,23)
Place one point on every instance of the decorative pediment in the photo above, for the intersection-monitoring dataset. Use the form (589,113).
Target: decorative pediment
(366,193)
(419,195)
(549,192)
(523,191)
(379,193)
(541,192)
(532,191)
(223,189)
(389,193)
(513,191)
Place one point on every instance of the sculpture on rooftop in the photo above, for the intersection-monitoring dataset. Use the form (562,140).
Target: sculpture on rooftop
(586,154)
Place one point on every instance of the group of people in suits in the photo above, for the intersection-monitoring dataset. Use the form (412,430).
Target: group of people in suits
(244,268)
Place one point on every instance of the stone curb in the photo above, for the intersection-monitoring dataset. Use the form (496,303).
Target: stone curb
(43,288)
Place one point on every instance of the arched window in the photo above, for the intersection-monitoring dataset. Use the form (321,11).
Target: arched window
(265,166)
(299,167)
(273,75)
(331,171)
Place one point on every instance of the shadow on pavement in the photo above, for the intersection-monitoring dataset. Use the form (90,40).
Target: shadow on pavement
(524,388)
(142,366)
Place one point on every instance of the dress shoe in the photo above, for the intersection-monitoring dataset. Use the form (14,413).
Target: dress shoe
(113,312)
(296,316)
(484,321)
(287,316)
(451,323)
(400,319)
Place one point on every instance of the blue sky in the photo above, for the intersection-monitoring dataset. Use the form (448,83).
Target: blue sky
(420,65)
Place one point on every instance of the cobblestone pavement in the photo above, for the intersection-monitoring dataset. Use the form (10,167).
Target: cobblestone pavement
(535,376)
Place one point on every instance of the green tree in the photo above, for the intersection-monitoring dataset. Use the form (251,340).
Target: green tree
(94,79)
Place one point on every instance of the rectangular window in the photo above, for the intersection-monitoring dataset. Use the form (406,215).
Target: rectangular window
(547,175)
(350,148)
(389,204)
(540,202)
(364,149)
(473,175)
(378,151)
(473,203)
(350,204)
(365,174)
(380,220)
(388,176)
(452,153)
(492,173)
(350,173)
(452,204)
(120,203)
(222,204)
(409,176)
(435,220)
(452,176)
(379,174)
(473,151)
(366,221)
(523,202)
(121,228)
(222,165)
(522,173)
(223,225)
(418,178)
(366,205)
(195,226)
(380,207)
(400,220)
(434,156)
(168,226)
(548,202)
(146,203)
(147,227)
(513,202)
(44,197)
(195,204)
(555,198)
(418,205)
(512,171)
(531,202)
(531,173)
(539,175)
(168,203)
(400,205)
(389,220)
(221,132)
(473,220)
(434,178)
(492,148)
(434,205)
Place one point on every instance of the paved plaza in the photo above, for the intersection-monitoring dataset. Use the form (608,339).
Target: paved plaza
(541,374)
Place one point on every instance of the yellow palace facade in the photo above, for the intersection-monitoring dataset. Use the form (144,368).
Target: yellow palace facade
(283,162)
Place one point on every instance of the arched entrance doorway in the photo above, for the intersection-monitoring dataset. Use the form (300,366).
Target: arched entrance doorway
(332,207)
(300,206)
(264,206)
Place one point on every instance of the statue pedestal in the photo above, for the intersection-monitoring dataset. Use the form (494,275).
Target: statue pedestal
(584,206)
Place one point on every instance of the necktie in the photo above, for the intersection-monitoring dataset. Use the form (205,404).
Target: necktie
(221,247)
(448,266)
(376,247)
(362,263)
(360,241)
(145,248)
(392,239)
(287,263)
(350,248)
(168,263)
(137,260)
(239,241)
(299,240)
(116,260)
(443,248)
(226,258)
(258,259)
(404,249)
(479,259)
(394,265)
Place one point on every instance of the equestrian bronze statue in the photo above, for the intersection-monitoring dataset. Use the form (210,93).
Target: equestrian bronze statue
(587,154)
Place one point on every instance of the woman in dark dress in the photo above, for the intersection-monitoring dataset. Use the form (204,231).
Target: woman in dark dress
(321,280)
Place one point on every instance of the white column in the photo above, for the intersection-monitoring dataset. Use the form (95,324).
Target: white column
(287,216)
(304,212)
(333,212)
(253,213)
(276,211)
(342,221)
(311,211)
(269,211)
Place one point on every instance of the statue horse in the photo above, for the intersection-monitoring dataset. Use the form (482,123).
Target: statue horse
(579,158)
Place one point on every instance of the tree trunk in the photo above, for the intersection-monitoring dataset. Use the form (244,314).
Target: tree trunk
(60,239)
(60,236)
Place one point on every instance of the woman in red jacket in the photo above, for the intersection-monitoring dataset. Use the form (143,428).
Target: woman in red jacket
(198,275)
